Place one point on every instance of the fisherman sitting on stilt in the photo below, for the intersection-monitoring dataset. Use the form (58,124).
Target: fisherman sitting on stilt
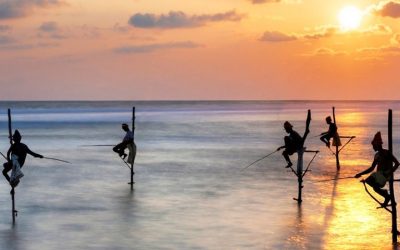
(331,133)
(293,143)
(127,142)
(383,160)
(16,156)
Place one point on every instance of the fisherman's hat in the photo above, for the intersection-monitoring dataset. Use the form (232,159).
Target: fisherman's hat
(287,125)
(377,139)
(16,136)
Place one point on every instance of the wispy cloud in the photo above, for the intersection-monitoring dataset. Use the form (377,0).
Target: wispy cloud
(179,19)
(26,46)
(5,28)
(147,48)
(51,30)
(274,1)
(322,32)
(6,40)
(276,37)
(10,9)
(328,52)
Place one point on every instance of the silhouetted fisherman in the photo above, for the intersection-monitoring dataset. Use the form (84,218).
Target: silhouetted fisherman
(383,160)
(331,133)
(126,142)
(293,143)
(16,155)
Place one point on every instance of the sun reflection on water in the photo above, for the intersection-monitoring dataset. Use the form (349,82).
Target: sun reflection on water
(355,221)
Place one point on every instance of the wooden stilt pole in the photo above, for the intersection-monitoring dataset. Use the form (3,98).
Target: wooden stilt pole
(13,211)
(391,187)
(300,173)
(300,154)
(337,146)
(133,157)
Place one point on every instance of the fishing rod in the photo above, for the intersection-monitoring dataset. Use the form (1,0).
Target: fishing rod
(259,160)
(55,159)
(335,179)
(98,145)
(3,156)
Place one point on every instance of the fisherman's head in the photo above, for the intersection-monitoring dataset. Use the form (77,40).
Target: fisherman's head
(328,120)
(125,127)
(377,141)
(288,127)
(17,136)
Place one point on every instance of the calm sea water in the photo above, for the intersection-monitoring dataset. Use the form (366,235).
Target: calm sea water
(190,192)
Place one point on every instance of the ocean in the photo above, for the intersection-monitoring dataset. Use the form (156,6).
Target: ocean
(190,190)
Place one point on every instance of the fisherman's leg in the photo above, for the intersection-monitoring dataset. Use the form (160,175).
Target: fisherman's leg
(382,192)
(325,139)
(287,158)
(7,167)
(120,148)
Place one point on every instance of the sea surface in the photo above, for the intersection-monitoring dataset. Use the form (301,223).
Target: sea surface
(190,190)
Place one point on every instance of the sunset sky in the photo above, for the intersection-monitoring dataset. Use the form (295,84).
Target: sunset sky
(199,49)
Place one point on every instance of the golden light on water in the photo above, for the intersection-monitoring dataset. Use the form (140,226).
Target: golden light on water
(355,221)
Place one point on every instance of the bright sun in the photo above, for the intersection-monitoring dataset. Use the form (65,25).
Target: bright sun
(350,18)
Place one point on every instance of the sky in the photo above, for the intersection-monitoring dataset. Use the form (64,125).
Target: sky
(199,50)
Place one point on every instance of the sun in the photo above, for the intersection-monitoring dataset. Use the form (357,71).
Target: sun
(350,18)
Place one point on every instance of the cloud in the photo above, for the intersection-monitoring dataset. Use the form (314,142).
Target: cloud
(10,9)
(276,37)
(178,19)
(386,9)
(328,52)
(156,46)
(49,27)
(5,28)
(380,29)
(322,32)
(274,1)
(6,40)
(27,46)
(51,30)
(395,39)
(264,1)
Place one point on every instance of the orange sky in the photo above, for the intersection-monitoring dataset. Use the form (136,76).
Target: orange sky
(197,49)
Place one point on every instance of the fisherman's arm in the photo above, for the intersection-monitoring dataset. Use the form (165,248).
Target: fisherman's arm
(33,153)
(9,154)
(280,148)
(369,170)
(396,163)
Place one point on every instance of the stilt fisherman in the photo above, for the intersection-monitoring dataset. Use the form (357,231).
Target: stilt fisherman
(331,133)
(293,143)
(386,164)
(16,156)
(127,142)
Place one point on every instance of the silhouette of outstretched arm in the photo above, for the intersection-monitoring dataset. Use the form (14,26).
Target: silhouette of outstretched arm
(368,170)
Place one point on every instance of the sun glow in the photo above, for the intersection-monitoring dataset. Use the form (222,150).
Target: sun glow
(350,18)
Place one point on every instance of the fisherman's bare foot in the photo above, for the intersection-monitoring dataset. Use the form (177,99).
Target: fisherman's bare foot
(386,202)
(289,165)
(328,145)
(14,183)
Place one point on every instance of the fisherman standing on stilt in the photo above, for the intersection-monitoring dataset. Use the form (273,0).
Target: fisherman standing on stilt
(293,143)
(16,156)
(331,133)
(127,142)
(383,160)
